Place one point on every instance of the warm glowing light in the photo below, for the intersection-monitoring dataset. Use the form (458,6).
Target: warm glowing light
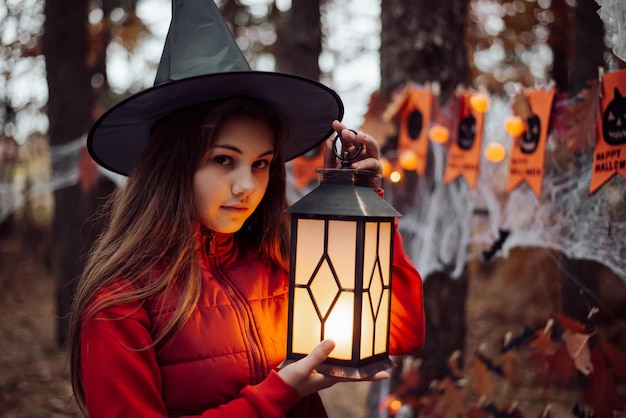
(495,152)
(439,134)
(387,167)
(395,406)
(514,126)
(339,328)
(479,102)
(395,176)
(408,159)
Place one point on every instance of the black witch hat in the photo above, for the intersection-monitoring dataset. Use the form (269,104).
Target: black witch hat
(202,63)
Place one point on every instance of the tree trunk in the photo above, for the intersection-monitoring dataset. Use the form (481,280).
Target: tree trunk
(589,48)
(423,41)
(560,41)
(70,104)
(301,40)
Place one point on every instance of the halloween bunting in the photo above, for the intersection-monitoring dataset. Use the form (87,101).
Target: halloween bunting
(464,153)
(415,119)
(609,156)
(527,156)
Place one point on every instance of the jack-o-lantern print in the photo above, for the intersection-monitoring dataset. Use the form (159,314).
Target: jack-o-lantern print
(614,120)
(467,132)
(414,124)
(529,141)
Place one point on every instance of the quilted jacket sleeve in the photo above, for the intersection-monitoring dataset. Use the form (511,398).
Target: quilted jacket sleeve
(121,377)
(408,322)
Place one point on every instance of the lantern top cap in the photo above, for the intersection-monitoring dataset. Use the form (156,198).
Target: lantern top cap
(344,192)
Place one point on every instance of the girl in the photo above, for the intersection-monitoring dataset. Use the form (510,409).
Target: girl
(182,307)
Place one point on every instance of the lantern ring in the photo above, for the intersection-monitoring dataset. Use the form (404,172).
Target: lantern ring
(345,158)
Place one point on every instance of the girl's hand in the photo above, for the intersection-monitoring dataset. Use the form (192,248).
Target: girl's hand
(302,376)
(367,159)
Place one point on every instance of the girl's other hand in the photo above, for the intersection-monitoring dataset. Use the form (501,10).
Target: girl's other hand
(367,158)
(302,376)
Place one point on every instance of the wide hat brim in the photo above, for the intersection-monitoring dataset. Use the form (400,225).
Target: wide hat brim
(118,138)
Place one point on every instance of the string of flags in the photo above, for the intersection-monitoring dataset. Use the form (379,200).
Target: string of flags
(597,116)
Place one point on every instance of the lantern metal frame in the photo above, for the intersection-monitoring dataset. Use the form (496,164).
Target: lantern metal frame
(345,195)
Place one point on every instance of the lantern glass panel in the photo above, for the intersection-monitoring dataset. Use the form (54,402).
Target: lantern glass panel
(307,329)
(367,328)
(382,320)
(309,251)
(339,328)
(342,251)
(370,247)
(385,238)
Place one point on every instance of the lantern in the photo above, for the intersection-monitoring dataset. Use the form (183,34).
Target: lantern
(340,274)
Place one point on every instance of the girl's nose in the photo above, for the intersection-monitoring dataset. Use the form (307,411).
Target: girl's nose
(244,182)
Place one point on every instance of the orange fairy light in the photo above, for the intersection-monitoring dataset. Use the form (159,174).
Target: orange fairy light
(408,160)
(395,176)
(514,126)
(439,134)
(479,102)
(495,152)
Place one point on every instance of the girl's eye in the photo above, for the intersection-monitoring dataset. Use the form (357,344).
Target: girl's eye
(262,164)
(223,160)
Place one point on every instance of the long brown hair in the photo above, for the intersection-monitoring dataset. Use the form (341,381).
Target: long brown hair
(151,221)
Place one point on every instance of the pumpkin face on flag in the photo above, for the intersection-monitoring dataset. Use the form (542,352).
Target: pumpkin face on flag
(529,140)
(464,153)
(614,120)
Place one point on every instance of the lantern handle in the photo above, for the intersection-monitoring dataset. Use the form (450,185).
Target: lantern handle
(345,158)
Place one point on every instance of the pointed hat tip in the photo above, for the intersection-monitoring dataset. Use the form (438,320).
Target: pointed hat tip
(199,42)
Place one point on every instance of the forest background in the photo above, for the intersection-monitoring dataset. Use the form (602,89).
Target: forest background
(508,334)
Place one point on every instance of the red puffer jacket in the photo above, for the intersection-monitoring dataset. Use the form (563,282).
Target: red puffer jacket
(221,362)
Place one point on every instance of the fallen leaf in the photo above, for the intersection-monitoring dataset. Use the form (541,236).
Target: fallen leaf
(578,349)
(570,324)
(482,378)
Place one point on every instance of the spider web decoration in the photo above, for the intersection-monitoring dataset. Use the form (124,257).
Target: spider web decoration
(613,14)
(449,225)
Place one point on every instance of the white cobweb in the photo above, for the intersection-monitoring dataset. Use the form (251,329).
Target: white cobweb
(613,14)
(452,224)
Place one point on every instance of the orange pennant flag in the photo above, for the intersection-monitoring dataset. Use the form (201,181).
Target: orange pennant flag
(529,151)
(415,120)
(609,156)
(464,153)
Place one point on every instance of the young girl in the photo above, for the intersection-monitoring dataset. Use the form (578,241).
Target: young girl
(182,308)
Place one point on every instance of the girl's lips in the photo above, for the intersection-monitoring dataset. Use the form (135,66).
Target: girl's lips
(235,208)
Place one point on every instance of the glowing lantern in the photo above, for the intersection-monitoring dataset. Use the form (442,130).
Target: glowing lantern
(479,102)
(408,159)
(495,152)
(439,134)
(340,274)
(514,126)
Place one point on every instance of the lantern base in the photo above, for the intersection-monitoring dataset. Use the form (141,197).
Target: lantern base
(350,372)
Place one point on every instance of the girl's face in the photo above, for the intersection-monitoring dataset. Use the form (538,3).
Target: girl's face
(231,181)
